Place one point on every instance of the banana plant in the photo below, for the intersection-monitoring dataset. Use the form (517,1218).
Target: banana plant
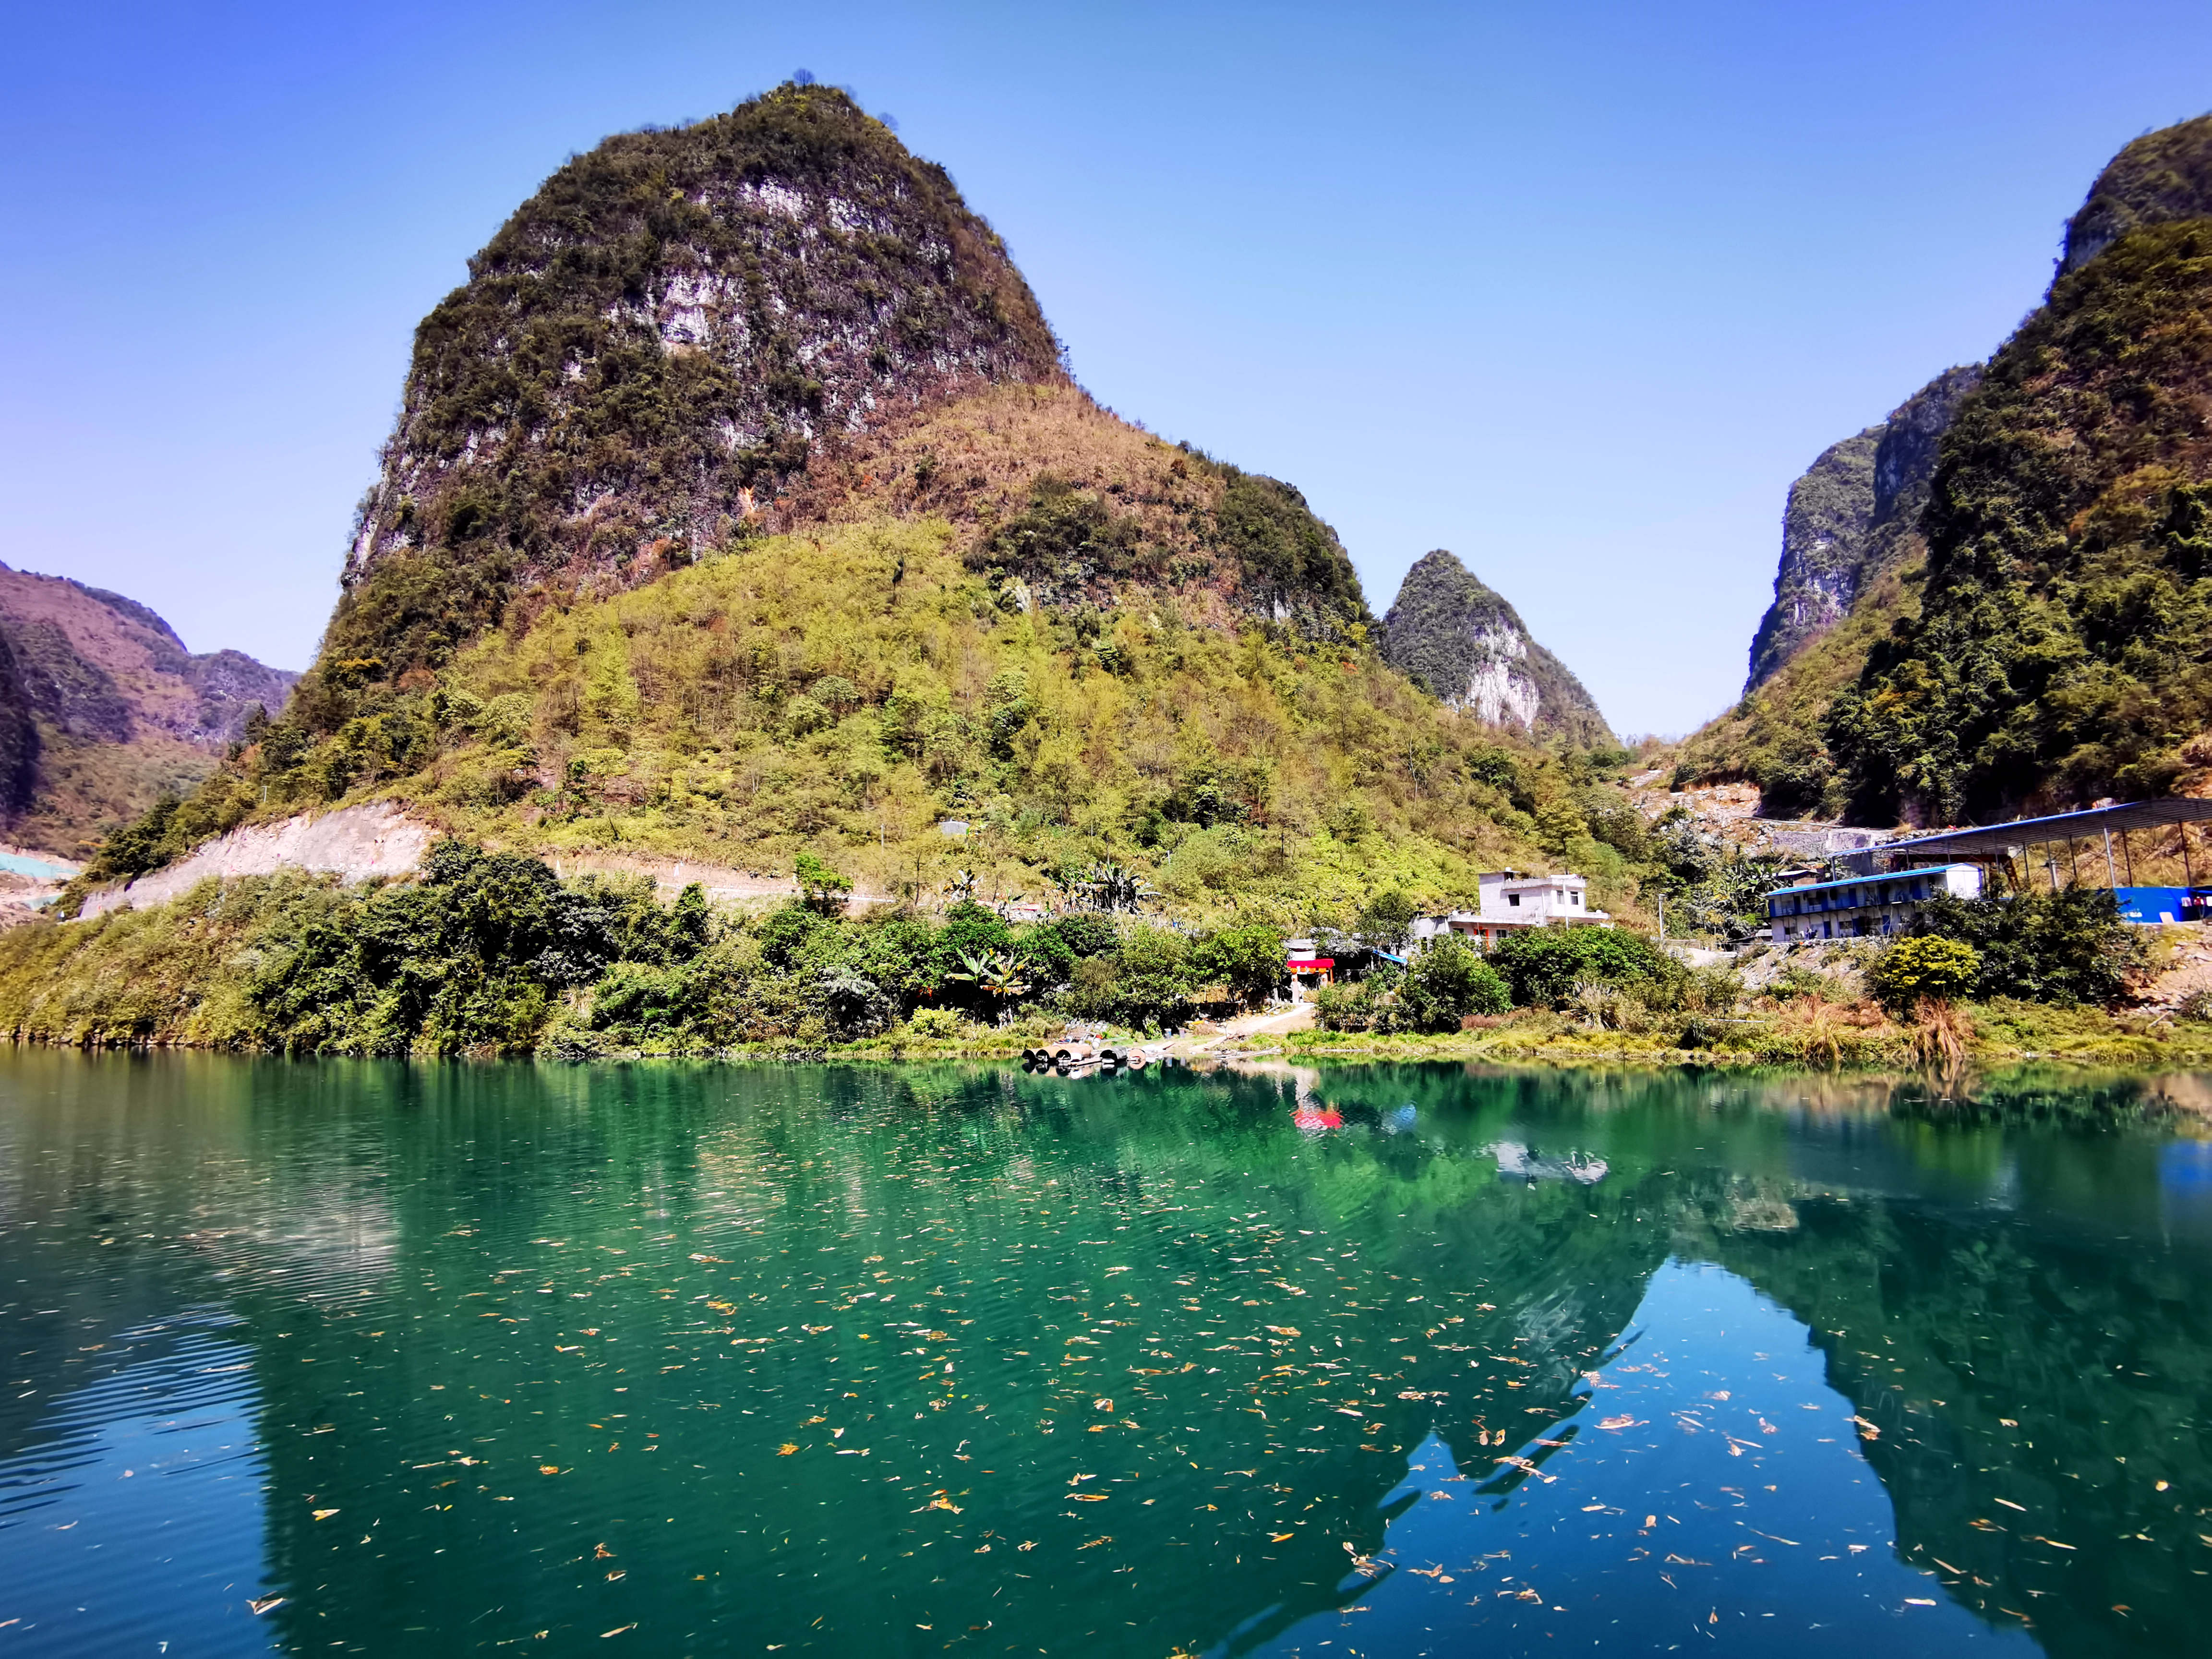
(1113,887)
(997,974)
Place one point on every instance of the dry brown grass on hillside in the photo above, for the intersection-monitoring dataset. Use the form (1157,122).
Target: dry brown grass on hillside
(984,452)
(975,464)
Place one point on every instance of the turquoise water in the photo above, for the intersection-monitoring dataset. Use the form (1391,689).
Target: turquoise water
(22,864)
(341,1358)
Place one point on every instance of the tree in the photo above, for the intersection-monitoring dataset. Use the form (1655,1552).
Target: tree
(1546,965)
(2069,947)
(1248,960)
(997,979)
(1447,981)
(1109,887)
(1148,982)
(1382,926)
(823,889)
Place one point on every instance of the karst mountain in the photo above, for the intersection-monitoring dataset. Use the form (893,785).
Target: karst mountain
(741,502)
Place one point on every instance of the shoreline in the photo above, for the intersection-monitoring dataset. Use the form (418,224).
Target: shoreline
(1535,1043)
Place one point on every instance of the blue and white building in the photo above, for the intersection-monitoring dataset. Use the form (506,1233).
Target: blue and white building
(1864,907)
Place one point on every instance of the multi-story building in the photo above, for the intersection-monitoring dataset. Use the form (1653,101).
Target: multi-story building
(1864,906)
(1508,902)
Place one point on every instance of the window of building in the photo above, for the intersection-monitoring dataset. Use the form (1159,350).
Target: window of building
(1513,899)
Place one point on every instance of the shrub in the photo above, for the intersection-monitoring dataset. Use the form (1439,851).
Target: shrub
(1924,967)
(824,888)
(1354,1007)
(1084,935)
(468,959)
(1546,966)
(933,1024)
(1444,983)
(2069,947)
(783,932)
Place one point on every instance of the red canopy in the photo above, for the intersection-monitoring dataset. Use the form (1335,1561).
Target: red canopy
(1314,965)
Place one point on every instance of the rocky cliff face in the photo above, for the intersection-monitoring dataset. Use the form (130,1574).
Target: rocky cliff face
(1847,517)
(652,348)
(1456,636)
(102,707)
(2056,653)
(1824,526)
(766,322)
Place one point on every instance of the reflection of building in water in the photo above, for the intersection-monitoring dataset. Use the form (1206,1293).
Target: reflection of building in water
(1516,1162)
(2185,1186)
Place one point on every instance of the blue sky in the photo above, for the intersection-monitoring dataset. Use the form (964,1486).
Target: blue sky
(1574,290)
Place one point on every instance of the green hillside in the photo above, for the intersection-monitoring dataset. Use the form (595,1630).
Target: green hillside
(843,692)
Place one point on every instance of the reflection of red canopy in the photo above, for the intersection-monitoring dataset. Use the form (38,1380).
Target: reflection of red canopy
(1313,966)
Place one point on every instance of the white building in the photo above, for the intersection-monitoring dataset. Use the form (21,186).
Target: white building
(1509,902)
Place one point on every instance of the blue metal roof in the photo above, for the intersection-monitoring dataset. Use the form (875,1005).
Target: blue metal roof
(1867,881)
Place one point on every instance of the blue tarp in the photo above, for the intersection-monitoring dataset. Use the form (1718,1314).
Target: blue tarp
(2150,905)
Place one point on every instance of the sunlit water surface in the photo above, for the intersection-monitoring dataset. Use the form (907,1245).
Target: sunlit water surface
(1388,1361)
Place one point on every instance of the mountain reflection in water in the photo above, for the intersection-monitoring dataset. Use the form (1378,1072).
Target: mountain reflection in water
(1384,1360)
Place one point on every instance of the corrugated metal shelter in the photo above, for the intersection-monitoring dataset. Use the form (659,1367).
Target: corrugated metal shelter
(2000,843)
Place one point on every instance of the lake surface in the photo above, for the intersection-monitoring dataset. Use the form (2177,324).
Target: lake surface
(1395,1360)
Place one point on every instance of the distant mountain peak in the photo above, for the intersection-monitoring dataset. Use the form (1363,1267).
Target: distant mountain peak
(102,708)
(646,353)
(1463,640)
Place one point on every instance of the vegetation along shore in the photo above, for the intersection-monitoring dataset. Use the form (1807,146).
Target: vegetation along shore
(494,954)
